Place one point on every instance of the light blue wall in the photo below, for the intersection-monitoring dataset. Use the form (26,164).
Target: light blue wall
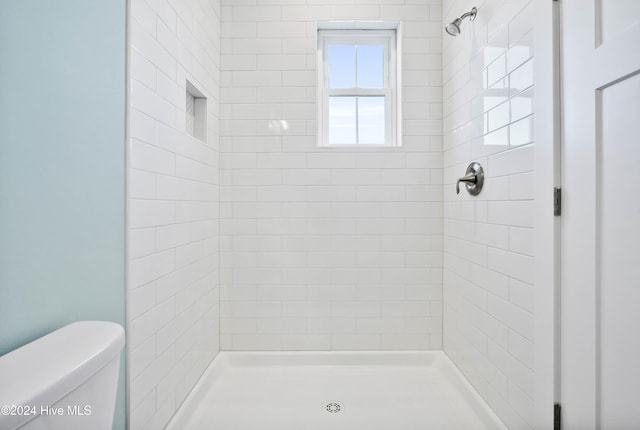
(62,160)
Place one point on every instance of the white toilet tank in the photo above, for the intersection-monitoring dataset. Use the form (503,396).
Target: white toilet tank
(66,380)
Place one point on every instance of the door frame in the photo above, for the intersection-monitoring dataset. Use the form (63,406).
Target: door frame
(547,129)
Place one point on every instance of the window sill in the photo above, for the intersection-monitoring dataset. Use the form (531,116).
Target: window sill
(361,146)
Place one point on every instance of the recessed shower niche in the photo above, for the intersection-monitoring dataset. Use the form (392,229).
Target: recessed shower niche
(196,112)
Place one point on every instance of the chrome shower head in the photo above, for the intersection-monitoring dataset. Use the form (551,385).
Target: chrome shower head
(453,28)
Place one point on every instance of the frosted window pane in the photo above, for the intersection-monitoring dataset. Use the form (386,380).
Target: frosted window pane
(370,66)
(342,66)
(371,120)
(342,120)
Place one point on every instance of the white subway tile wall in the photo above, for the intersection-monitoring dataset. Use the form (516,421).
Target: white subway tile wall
(488,239)
(326,248)
(173,275)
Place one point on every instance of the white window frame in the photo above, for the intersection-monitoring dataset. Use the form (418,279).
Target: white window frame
(388,38)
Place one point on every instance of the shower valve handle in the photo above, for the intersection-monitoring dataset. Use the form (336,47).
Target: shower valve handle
(469,178)
(473,179)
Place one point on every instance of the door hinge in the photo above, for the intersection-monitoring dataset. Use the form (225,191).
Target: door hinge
(557,201)
(557,416)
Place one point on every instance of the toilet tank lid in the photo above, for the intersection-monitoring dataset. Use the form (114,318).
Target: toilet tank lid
(47,369)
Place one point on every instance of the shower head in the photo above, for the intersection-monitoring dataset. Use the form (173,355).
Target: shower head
(453,28)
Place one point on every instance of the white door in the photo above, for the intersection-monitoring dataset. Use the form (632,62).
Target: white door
(600,280)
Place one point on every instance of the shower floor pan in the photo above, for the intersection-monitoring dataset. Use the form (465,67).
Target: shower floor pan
(333,390)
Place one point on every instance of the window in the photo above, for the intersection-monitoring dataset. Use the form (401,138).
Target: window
(357,88)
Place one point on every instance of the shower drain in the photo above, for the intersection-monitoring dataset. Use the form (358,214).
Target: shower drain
(333,407)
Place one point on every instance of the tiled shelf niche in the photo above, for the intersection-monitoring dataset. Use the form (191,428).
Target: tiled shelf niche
(196,110)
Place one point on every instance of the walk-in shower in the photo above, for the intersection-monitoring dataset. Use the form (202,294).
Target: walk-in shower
(279,283)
